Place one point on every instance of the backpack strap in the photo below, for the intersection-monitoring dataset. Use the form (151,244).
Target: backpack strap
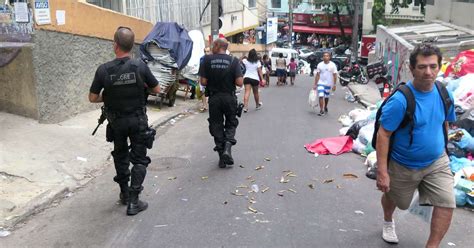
(409,118)
(447,103)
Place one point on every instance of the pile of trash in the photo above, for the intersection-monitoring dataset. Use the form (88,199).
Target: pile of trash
(359,125)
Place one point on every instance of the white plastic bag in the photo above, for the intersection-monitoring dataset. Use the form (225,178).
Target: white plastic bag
(424,212)
(345,120)
(343,131)
(358,147)
(313,98)
(366,133)
(359,114)
(371,160)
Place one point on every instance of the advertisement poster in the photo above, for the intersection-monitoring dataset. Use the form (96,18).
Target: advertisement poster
(42,12)
(272,30)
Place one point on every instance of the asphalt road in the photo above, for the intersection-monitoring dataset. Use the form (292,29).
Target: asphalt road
(190,198)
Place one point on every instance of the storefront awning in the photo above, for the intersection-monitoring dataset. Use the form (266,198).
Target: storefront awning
(320,30)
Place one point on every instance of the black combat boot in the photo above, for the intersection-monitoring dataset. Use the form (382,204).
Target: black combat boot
(221,161)
(135,206)
(124,193)
(227,154)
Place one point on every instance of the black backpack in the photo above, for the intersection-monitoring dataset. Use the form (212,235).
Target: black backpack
(410,111)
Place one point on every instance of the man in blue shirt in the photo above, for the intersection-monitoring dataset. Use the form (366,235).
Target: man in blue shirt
(422,162)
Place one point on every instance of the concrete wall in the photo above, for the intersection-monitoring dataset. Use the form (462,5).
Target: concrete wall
(17,88)
(458,13)
(64,65)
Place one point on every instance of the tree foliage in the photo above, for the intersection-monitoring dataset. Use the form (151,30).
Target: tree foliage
(378,13)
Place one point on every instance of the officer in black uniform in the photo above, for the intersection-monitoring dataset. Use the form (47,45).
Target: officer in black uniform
(124,82)
(221,73)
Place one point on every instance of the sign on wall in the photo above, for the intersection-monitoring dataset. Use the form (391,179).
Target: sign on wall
(272,29)
(42,12)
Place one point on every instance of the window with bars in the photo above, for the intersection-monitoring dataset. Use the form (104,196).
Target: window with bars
(108,4)
(276,4)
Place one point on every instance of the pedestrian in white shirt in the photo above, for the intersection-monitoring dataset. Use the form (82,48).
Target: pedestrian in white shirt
(326,76)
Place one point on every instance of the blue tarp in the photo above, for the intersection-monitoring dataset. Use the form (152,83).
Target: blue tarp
(170,36)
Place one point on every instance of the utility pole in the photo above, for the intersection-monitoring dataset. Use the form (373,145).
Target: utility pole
(355,29)
(290,20)
(214,19)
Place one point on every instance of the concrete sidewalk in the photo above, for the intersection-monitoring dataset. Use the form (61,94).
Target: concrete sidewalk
(40,163)
(367,94)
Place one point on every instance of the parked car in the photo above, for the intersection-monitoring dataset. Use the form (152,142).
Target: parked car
(304,53)
(340,60)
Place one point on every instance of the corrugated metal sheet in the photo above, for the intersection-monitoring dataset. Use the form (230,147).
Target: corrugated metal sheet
(184,12)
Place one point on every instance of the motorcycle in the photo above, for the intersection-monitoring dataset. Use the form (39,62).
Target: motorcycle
(380,72)
(352,73)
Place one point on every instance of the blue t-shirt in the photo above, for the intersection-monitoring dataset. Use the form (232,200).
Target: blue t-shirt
(428,137)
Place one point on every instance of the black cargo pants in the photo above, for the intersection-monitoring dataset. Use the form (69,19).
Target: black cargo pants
(223,120)
(130,127)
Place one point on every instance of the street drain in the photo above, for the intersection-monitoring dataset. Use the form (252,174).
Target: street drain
(168,163)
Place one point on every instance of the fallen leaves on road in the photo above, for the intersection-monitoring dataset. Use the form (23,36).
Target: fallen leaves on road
(311,186)
(292,190)
(204,178)
(283,180)
(236,193)
(253,210)
(241,166)
(328,180)
(268,159)
(172,178)
(350,176)
(259,167)
(280,193)
(265,189)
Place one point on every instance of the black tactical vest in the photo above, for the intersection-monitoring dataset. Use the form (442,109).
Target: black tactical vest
(124,89)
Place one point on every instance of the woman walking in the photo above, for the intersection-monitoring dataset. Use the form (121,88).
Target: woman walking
(292,66)
(281,69)
(253,74)
(267,64)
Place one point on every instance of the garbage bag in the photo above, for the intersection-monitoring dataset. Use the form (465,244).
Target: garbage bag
(343,131)
(453,84)
(313,98)
(333,145)
(358,147)
(366,133)
(371,160)
(345,120)
(466,124)
(368,149)
(462,65)
(456,164)
(353,131)
(359,114)
(455,150)
(424,212)
(461,197)
(466,142)
(470,200)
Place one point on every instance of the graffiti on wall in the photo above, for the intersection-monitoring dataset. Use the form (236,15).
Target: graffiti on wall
(390,49)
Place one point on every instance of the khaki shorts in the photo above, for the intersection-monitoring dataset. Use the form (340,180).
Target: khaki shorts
(434,183)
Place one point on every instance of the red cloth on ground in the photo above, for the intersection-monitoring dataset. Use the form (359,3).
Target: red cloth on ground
(333,145)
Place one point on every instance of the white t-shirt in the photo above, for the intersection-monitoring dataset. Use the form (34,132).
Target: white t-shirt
(326,73)
(251,69)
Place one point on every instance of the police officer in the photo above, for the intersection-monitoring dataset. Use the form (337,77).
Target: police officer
(221,73)
(124,81)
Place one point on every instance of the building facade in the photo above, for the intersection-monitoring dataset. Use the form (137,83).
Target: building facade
(458,12)
(413,12)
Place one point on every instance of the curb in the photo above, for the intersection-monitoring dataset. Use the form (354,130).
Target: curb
(46,199)
(363,102)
